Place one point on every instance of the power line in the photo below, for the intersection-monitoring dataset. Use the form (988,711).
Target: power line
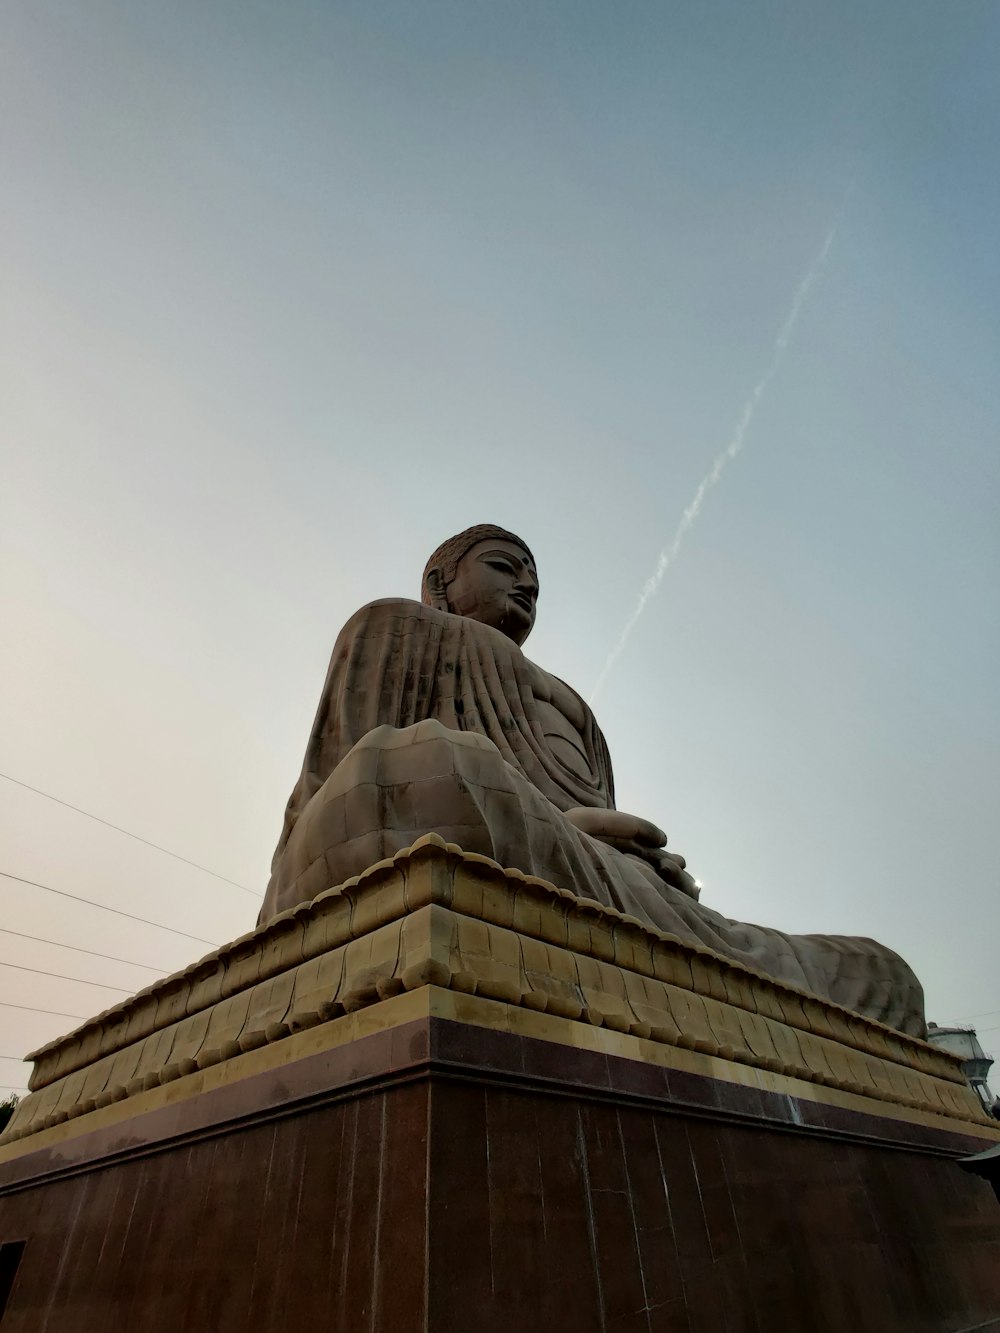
(967,1022)
(118,829)
(12,1087)
(31,1009)
(39,939)
(61,976)
(104,908)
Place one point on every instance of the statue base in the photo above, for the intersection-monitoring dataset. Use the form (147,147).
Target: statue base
(444,1096)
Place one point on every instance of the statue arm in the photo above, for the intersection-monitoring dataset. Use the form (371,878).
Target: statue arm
(635,837)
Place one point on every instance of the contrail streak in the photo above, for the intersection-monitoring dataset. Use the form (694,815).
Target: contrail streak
(669,553)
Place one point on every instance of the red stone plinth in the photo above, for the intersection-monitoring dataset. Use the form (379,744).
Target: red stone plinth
(445,1176)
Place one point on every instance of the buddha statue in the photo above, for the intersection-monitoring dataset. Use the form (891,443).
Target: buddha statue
(433,720)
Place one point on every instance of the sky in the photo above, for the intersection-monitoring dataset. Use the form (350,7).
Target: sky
(292,292)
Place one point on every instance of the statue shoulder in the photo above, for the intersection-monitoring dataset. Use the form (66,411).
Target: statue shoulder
(391,606)
(389,613)
(401,617)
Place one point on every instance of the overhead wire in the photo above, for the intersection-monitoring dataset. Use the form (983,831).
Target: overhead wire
(128,834)
(61,976)
(105,908)
(40,939)
(33,1009)
(968,1022)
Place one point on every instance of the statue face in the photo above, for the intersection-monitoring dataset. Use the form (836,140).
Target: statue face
(496,583)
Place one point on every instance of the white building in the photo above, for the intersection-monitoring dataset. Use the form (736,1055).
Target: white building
(975,1061)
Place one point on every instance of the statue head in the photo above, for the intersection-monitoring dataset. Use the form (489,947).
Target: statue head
(487,574)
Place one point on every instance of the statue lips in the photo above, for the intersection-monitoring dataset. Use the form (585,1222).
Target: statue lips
(523,600)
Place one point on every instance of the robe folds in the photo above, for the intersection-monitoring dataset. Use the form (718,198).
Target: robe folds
(429,722)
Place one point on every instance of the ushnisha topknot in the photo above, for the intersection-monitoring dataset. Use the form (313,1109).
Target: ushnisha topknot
(449,553)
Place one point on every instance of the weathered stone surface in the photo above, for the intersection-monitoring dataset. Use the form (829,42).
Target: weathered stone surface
(534,959)
(433,720)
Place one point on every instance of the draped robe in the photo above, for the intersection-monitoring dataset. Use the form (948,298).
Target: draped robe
(430,722)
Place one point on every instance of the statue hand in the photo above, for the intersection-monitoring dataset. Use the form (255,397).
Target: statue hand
(635,837)
(670,867)
(616,826)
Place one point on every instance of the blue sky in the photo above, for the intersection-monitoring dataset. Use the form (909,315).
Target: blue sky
(294,291)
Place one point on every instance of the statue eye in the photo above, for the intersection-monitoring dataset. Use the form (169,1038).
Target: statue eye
(497,562)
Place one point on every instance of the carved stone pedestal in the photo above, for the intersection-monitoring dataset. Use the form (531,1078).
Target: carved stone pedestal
(447,1097)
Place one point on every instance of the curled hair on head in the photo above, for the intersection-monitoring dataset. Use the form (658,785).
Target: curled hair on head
(449,553)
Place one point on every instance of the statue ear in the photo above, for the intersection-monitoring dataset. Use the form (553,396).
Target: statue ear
(436,590)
